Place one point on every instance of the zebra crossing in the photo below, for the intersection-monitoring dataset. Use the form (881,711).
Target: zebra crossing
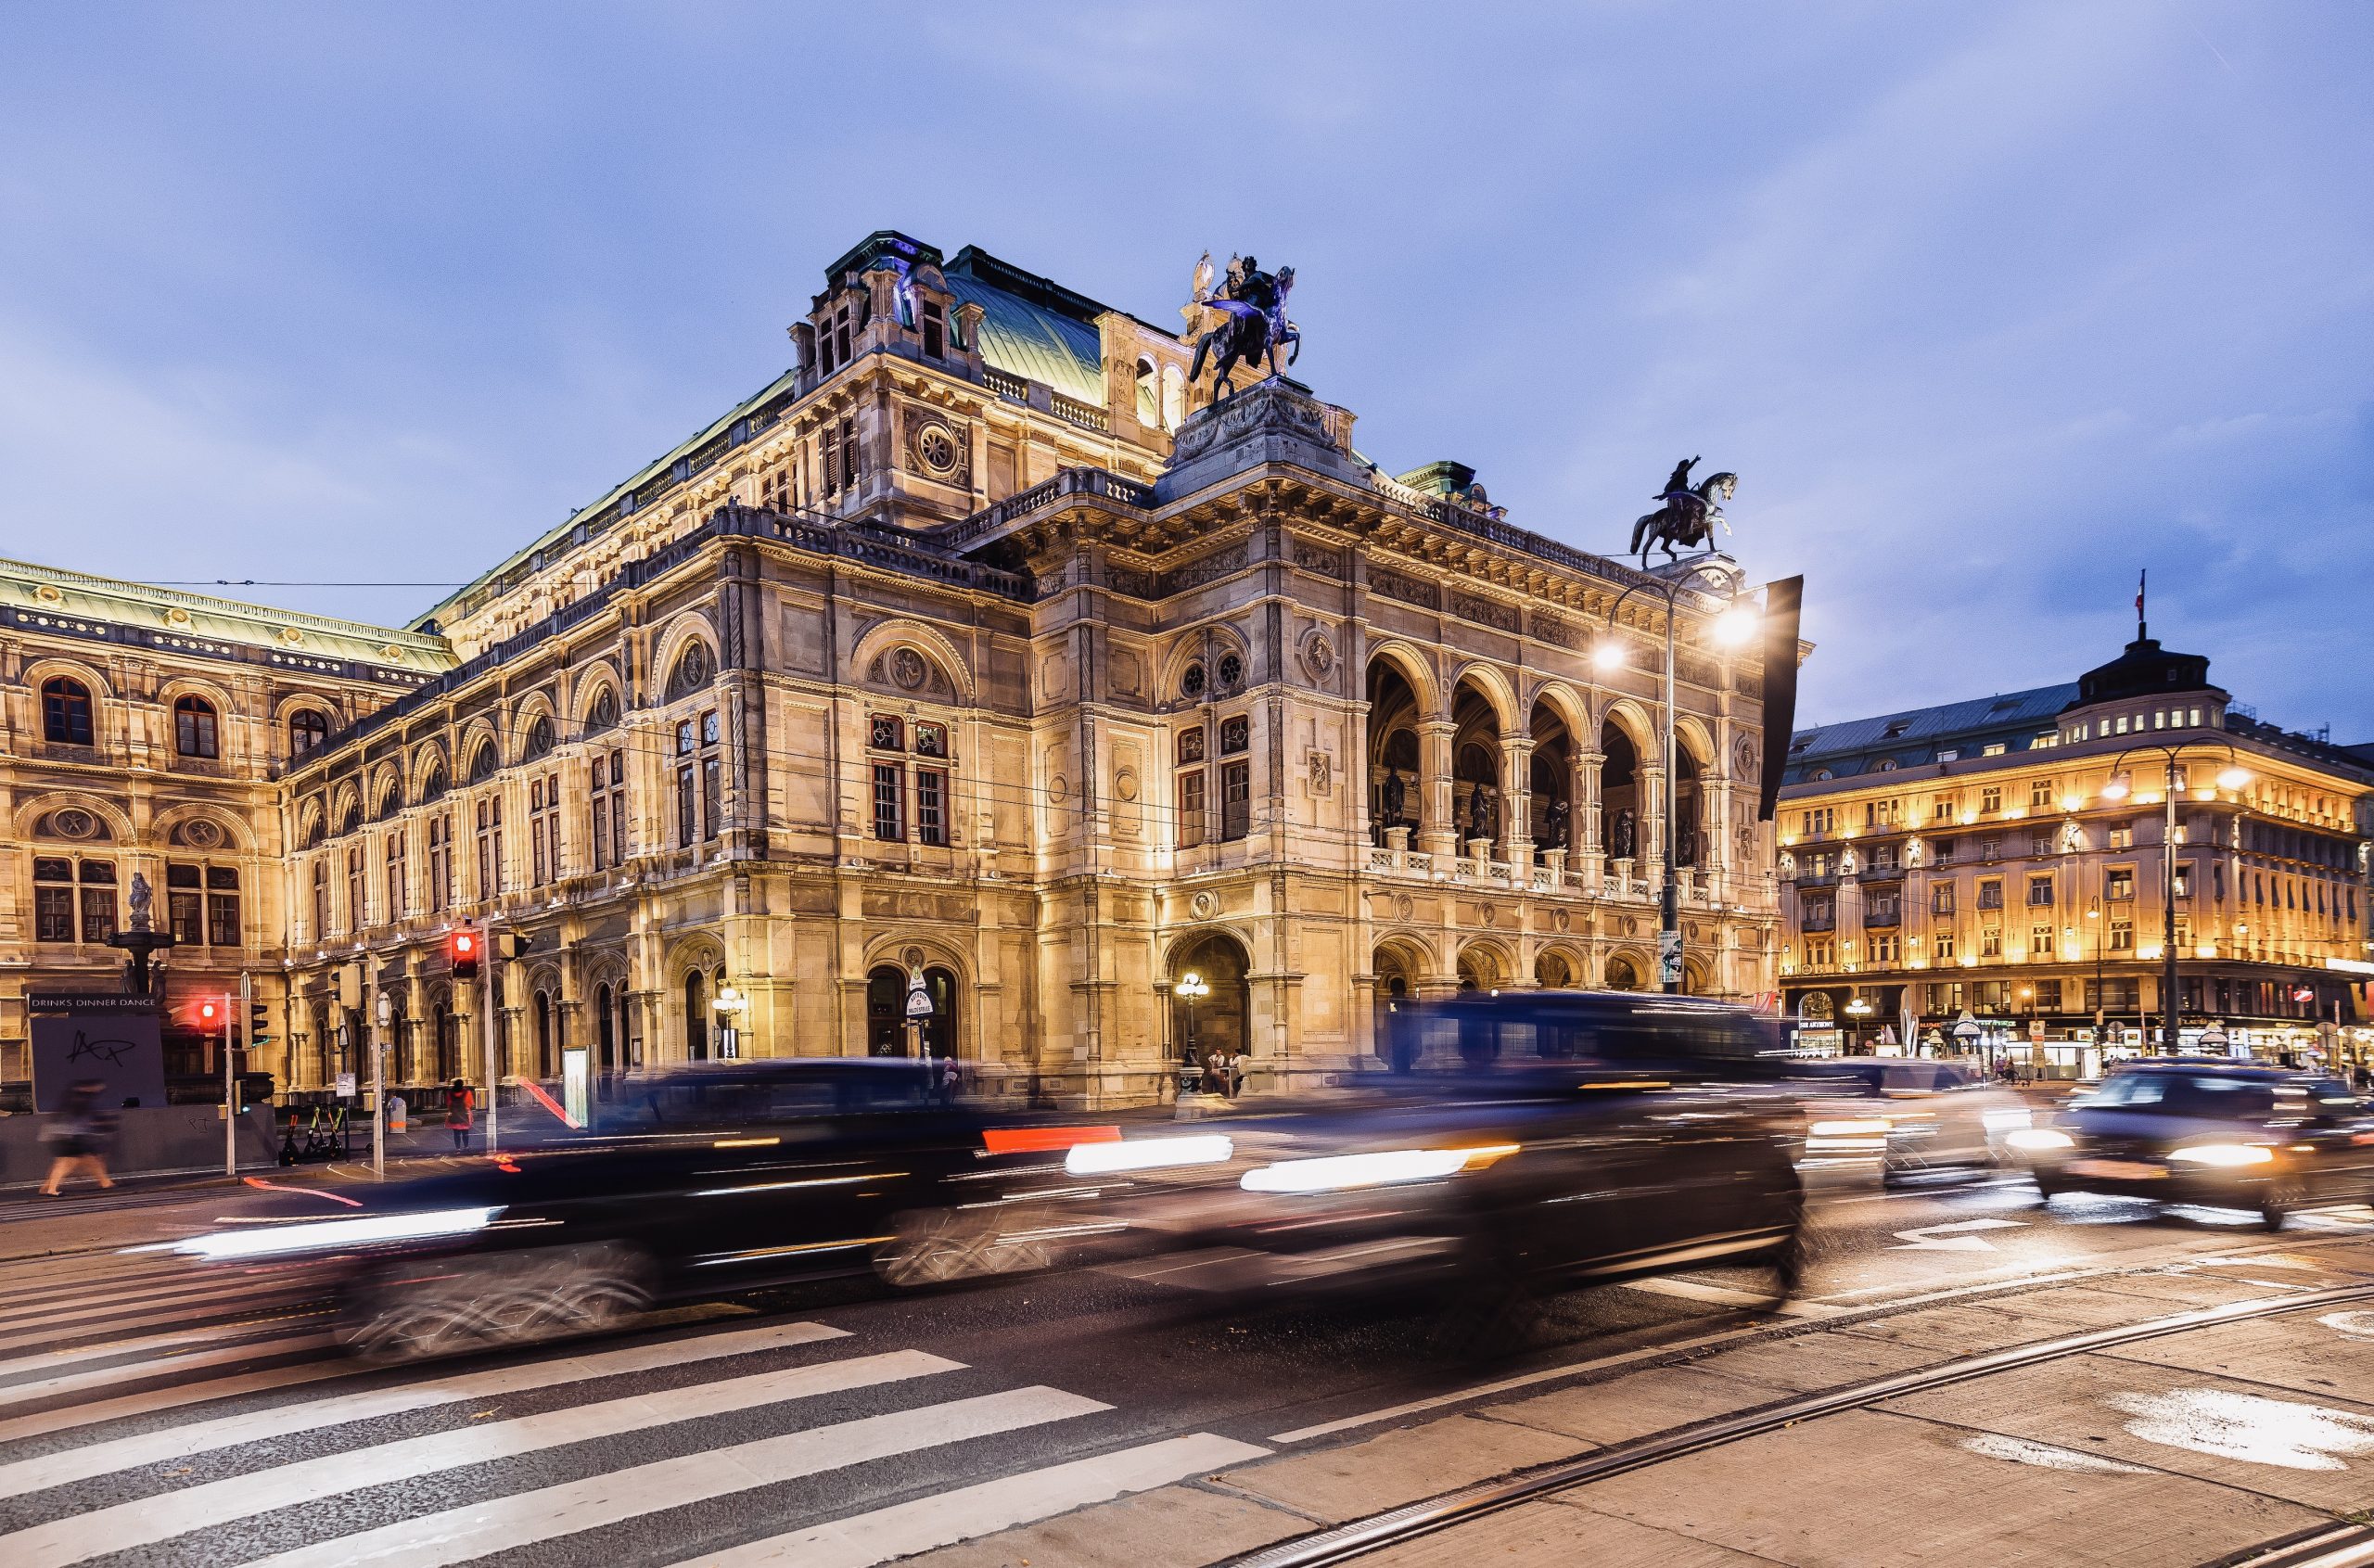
(174,1420)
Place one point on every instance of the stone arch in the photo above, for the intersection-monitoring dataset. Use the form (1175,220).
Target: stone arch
(1560,956)
(1697,975)
(313,822)
(183,685)
(1572,708)
(49,667)
(1221,1021)
(1630,968)
(883,638)
(948,980)
(385,795)
(428,764)
(689,975)
(476,736)
(1628,715)
(591,681)
(1414,667)
(534,707)
(1484,964)
(118,822)
(691,626)
(236,837)
(1481,725)
(1493,686)
(1206,643)
(346,806)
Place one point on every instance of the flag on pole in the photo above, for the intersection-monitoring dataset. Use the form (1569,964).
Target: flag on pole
(2141,578)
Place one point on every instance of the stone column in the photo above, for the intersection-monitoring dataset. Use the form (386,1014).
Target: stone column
(1435,831)
(1516,799)
(1650,832)
(1588,833)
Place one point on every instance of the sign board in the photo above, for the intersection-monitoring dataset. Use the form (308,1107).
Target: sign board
(120,1047)
(346,1086)
(2035,1031)
(575,1080)
(1668,957)
(918,1001)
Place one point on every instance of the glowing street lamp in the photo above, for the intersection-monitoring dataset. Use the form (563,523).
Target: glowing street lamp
(2232,776)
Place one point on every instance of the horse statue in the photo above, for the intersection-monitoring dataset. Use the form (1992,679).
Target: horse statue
(1253,324)
(1689,516)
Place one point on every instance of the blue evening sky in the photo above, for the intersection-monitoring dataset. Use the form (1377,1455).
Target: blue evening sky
(1990,304)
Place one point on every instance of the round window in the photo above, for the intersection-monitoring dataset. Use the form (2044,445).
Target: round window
(1231,671)
(1192,681)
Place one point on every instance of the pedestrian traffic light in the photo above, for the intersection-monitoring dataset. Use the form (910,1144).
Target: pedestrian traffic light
(210,1014)
(461,952)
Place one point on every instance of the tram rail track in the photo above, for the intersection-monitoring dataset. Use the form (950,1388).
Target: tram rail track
(2346,1544)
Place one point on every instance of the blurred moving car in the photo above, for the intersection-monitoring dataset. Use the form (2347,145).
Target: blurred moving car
(707,1178)
(1534,1138)
(1907,1116)
(2210,1131)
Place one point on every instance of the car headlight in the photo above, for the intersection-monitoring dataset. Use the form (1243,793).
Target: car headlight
(1146,1153)
(327,1234)
(1338,1173)
(2040,1138)
(2225,1156)
(1870,1127)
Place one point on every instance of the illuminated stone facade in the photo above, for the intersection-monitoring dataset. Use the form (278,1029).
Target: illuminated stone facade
(976,645)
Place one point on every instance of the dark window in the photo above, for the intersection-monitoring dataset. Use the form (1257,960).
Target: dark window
(185,904)
(692,672)
(440,862)
(931,806)
(931,740)
(601,814)
(53,915)
(194,728)
(885,733)
(540,737)
(321,899)
(307,728)
(99,899)
(1191,806)
(935,330)
(1192,682)
(1990,894)
(65,712)
(482,763)
(688,807)
(223,906)
(889,787)
(2039,892)
(1235,734)
(1236,798)
(1190,745)
(1231,671)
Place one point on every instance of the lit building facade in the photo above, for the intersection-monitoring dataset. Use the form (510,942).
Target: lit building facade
(2006,857)
(979,647)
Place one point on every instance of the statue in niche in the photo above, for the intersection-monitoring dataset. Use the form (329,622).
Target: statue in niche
(1483,812)
(1620,838)
(1394,797)
(1555,825)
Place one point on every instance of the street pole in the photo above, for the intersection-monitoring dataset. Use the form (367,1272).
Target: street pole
(231,1084)
(1669,896)
(379,1092)
(491,963)
(2170,1006)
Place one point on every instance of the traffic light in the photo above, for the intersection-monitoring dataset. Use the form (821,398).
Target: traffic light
(210,1015)
(511,944)
(461,952)
(258,1024)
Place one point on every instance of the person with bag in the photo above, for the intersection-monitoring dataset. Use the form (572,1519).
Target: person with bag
(79,1132)
(460,1103)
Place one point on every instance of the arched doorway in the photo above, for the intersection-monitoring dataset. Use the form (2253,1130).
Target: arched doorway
(885,1011)
(1623,975)
(1689,805)
(606,1031)
(1396,789)
(445,1042)
(545,1058)
(1552,973)
(1619,792)
(1475,764)
(1550,781)
(1217,1021)
(1399,967)
(939,1029)
(695,1015)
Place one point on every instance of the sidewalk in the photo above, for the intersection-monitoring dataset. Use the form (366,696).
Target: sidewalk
(2164,1451)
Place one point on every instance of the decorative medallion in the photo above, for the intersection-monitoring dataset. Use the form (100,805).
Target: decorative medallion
(200,833)
(1744,756)
(1125,783)
(937,451)
(48,594)
(1059,791)
(1485,915)
(391,653)
(1561,919)
(1402,907)
(1322,772)
(176,616)
(912,958)
(1631,925)
(1319,657)
(291,636)
(1204,906)
(909,669)
(73,823)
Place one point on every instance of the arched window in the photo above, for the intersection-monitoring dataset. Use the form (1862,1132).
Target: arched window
(482,762)
(307,729)
(604,714)
(540,737)
(194,728)
(692,671)
(432,787)
(606,1031)
(696,1016)
(544,1058)
(65,711)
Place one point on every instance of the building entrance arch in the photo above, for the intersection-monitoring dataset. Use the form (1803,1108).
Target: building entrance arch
(1214,1019)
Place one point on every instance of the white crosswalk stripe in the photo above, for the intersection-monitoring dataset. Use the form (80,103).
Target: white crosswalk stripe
(113,1492)
(229,1432)
(79,1328)
(196,1508)
(987,1506)
(458,1535)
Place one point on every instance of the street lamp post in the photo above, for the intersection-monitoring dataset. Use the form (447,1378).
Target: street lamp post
(1191,987)
(1734,625)
(384,1012)
(729,1005)
(2232,776)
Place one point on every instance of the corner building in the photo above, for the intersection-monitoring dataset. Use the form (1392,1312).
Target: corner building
(978,647)
(1977,858)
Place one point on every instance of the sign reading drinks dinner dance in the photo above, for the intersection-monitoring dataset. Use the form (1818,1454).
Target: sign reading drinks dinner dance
(113,1040)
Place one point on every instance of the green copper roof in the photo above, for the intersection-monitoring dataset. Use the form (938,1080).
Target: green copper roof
(1033,342)
(205,619)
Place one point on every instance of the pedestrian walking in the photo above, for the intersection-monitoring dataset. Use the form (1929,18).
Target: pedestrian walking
(1235,1073)
(460,1103)
(949,1076)
(79,1132)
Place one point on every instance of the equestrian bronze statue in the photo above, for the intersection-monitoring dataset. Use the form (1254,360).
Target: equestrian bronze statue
(1689,516)
(1252,326)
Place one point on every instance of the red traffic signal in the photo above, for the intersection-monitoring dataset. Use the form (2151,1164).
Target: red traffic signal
(208,1015)
(461,952)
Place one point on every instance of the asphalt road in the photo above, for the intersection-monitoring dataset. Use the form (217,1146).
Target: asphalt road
(148,1415)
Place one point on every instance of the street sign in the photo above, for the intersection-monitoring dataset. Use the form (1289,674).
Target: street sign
(346,1086)
(1669,958)
(918,1001)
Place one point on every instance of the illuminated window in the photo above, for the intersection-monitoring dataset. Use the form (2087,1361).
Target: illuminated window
(1990,942)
